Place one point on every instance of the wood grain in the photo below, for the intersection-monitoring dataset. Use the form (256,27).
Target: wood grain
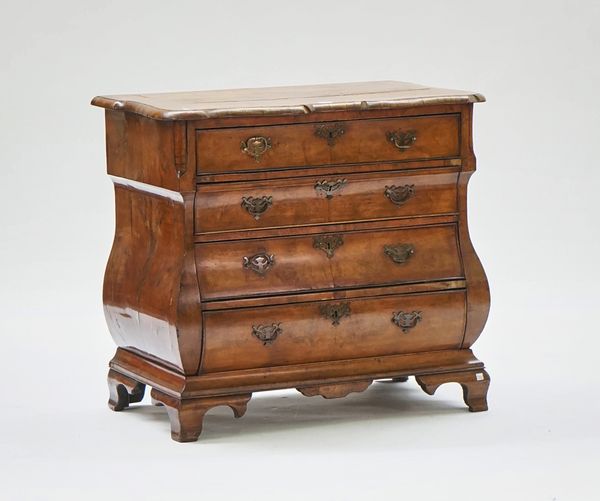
(187,416)
(171,382)
(338,390)
(292,100)
(422,166)
(299,266)
(218,150)
(189,319)
(141,150)
(151,295)
(478,291)
(289,231)
(296,202)
(123,391)
(474,384)
(307,336)
(387,290)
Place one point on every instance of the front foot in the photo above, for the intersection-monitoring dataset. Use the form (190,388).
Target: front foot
(186,416)
(475,386)
(123,390)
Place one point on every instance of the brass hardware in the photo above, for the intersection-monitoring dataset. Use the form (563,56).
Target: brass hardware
(328,243)
(402,140)
(399,253)
(335,311)
(259,263)
(399,194)
(406,321)
(330,132)
(266,333)
(328,188)
(256,146)
(256,205)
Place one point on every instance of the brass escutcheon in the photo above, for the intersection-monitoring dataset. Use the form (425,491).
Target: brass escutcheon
(256,206)
(330,132)
(405,320)
(267,333)
(398,195)
(256,147)
(259,263)
(335,311)
(328,243)
(402,140)
(329,188)
(399,253)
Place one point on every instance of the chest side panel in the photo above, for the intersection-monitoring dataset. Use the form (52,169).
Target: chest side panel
(143,150)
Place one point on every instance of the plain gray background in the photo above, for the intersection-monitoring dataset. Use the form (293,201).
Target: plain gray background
(533,217)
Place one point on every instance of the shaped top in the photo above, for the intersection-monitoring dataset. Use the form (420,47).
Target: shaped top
(291,100)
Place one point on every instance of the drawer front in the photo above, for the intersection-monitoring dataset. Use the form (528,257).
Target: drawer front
(319,200)
(353,141)
(332,330)
(322,261)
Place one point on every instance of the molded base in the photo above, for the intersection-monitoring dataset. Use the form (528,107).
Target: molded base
(188,398)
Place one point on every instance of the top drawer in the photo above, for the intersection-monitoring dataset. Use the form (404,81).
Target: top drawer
(312,144)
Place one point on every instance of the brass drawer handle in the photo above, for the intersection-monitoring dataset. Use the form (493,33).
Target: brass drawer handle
(335,311)
(259,263)
(406,320)
(256,147)
(328,188)
(328,243)
(398,195)
(256,206)
(330,132)
(402,140)
(266,333)
(400,254)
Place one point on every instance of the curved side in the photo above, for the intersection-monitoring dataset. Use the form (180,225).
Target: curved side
(189,313)
(150,295)
(141,281)
(478,292)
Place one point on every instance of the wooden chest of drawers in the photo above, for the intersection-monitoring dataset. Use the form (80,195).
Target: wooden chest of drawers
(296,237)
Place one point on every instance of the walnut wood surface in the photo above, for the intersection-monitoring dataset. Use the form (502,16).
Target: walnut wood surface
(219,150)
(289,231)
(187,416)
(386,290)
(171,382)
(151,296)
(186,406)
(278,101)
(475,386)
(141,282)
(297,202)
(338,390)
(307,336)
(181,235)
(478,292)
(141,149)
(321,171)
(299,266)
(123,391)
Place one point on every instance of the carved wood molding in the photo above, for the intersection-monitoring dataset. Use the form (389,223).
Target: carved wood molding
(337,390)
(187,416)
(474,384)
(123,390)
